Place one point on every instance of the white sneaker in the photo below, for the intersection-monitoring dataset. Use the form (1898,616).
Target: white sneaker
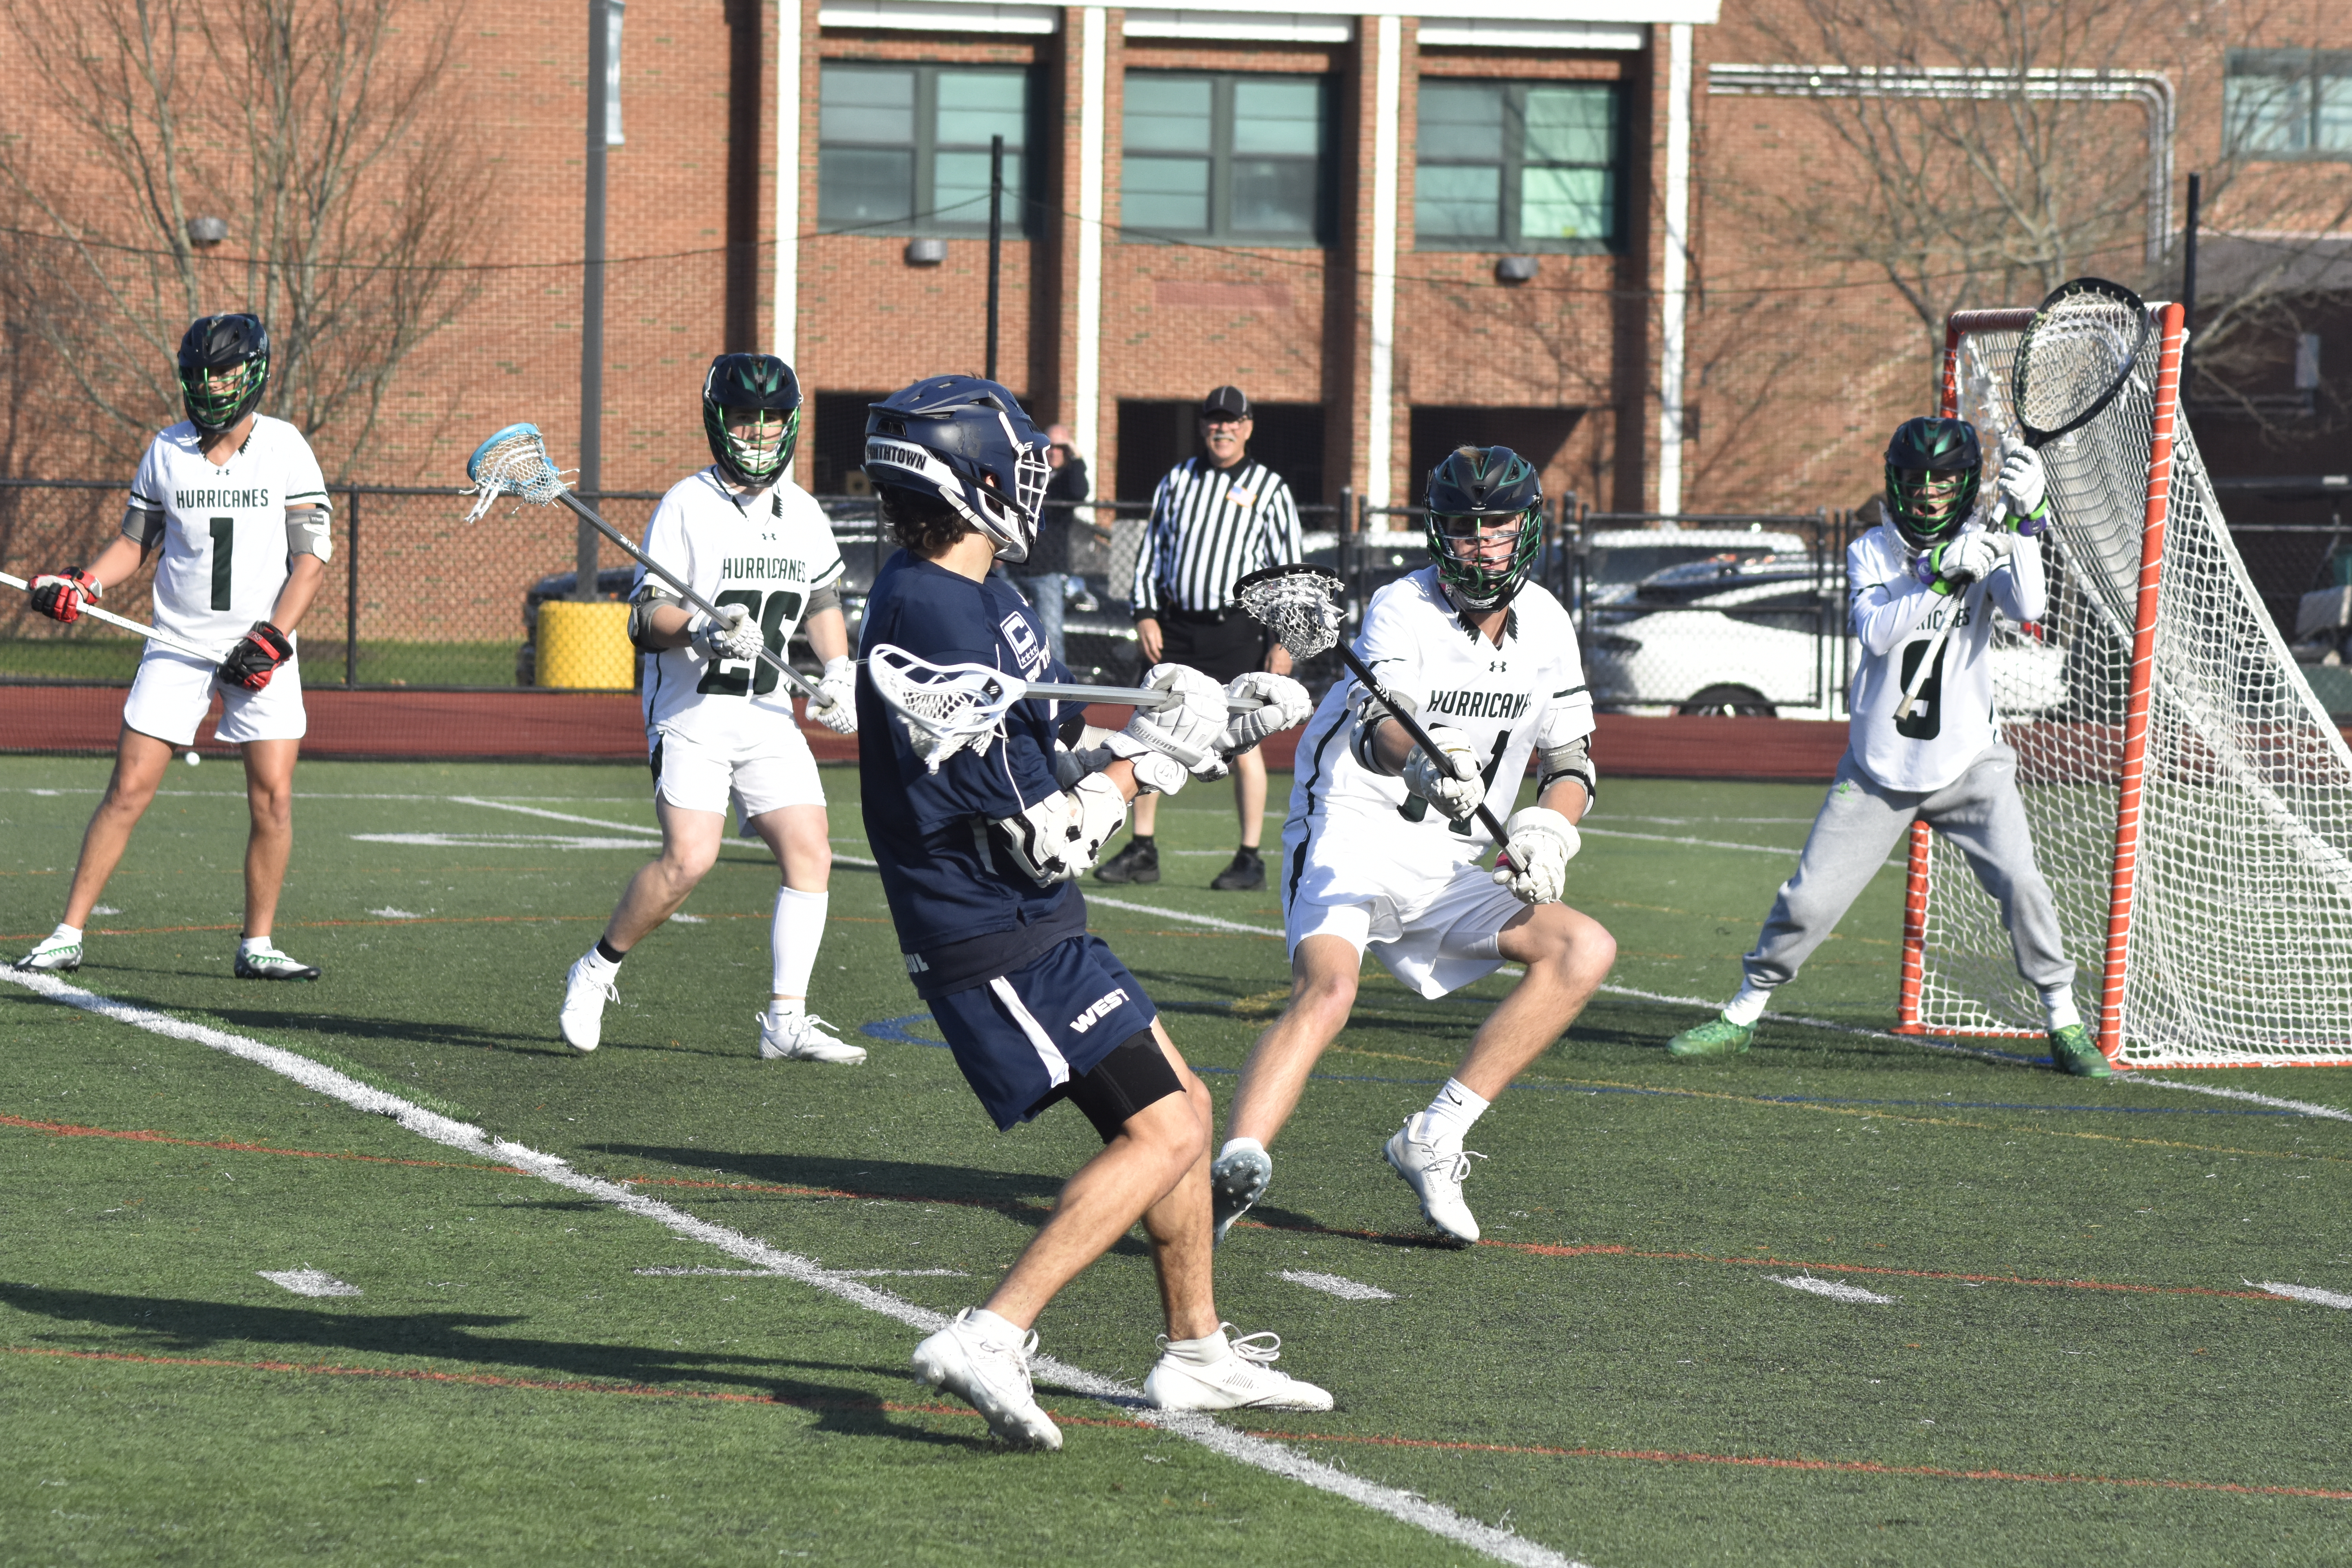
(269,963)
(1437,1174)
(584,995)
(993,1379)
(1246,1380)
(796,1037)
(1237,1179)
(57,957)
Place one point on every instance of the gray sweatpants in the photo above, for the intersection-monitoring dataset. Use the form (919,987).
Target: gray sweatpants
(1860,825)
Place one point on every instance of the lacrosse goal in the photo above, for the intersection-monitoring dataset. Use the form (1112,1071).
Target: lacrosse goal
(2191,802)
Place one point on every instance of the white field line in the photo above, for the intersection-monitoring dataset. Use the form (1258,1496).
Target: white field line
(2329,1112)
(1694,843)
(498,841)
(308,1281)
(1835,1290)
(553,816)
(673,1271)
(387,912)
(2311,1293)
(1338,1285)
(1499,1544)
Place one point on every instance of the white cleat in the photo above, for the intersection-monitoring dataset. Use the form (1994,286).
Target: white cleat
(798,1037)
(1246,1380)
(584,995)
(1237,1179)
(52,955)
(1437,1174)
(993,1379)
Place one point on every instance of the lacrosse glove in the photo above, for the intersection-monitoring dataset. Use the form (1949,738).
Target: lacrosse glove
(1283,704)
(1449,781)
(840,684)
(2025,491)
(1063,835)
(60,594)
(1538,845)
(1168,745)
(729,634)
(255,658)
(1948,567)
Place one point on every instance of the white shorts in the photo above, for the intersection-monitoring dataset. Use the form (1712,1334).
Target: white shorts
(762,772)
(172,692)
(1434,933)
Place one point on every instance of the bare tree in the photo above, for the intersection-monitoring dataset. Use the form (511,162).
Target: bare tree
(322,130)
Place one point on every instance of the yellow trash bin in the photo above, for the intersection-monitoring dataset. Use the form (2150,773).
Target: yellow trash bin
(585,646)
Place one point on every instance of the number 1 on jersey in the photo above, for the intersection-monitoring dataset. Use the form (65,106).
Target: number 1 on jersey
(224,532)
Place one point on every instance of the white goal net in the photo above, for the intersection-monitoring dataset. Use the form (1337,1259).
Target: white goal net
(2191,801)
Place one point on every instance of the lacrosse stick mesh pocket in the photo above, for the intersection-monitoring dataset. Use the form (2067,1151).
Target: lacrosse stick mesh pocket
(1301,608)
(514,462)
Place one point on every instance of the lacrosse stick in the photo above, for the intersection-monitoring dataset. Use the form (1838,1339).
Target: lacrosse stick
(127,624)
(957,704)
(514,462)
(1301,604)
(2077,354)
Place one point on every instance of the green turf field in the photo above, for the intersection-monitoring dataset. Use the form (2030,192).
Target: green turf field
(2074,1360)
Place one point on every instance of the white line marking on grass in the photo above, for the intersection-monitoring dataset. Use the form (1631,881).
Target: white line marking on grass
(1272,1457)
(1694,843)
(553,816)
(1835,1290)
(498,841)
(1338,1285)
(2311,1293)
(690,920)
(2329,1112)
(1212,922)
(674,1271)
(308,1281)
(388,912)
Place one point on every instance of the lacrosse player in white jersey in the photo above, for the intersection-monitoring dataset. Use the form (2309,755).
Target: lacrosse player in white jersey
(719,722)
(1381,849)
(1937,558)
(235,502)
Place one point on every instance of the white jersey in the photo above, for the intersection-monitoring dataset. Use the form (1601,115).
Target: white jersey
(1527,694)
(765,550)
(1894,616)
(223,526)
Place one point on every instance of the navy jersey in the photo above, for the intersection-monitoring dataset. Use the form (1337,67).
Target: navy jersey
(965,911)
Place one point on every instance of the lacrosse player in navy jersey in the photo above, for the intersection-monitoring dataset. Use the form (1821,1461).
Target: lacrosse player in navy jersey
(234,502)
(718,726)
(978,860)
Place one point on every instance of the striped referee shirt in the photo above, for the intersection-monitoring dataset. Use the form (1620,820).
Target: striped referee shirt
(1210,528)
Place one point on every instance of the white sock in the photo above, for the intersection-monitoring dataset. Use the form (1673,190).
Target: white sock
(600,965)
(1207,1350)
(994,1329)
(254,944)
(65,932)
(1451,1114)
(1251,1144)
(792,942)
(2058,1007)
(1749,1006)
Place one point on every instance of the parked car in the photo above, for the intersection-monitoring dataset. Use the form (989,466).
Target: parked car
(1618,560)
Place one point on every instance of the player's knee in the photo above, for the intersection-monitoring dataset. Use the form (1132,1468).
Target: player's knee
(684,865)
(1323,993)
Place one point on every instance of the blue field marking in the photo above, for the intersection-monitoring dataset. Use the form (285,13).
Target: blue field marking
(895,1030)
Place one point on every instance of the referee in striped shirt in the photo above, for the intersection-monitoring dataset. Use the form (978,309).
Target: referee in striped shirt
(1215,519)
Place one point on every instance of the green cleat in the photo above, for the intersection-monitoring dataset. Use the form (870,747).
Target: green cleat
(1718,1036)
(2070,1051)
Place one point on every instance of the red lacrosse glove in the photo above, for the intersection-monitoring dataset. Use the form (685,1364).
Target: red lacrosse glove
(60,594)
(254,660)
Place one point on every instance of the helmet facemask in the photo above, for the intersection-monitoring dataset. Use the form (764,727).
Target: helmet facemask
(751,417)
(1484,556)
(758,442)
(224,369)
(1934,470)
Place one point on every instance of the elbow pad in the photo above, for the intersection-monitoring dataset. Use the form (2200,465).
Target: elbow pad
(1571,761)
(825,598)
(1062,836)
(306,534)
(141,527)
(642,605)
(1370,711)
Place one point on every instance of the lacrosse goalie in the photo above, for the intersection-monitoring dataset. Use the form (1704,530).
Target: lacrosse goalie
(1936,558)
(759,549)
(1382,849)
(234,502)
(980,839)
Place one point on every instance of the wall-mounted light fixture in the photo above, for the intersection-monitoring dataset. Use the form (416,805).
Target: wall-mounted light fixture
(925,252)
(207,232)
(1515,270)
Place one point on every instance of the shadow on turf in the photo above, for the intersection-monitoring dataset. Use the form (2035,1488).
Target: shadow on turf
(166,1325)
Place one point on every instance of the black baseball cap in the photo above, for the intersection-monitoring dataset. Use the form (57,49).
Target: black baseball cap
(1225,403)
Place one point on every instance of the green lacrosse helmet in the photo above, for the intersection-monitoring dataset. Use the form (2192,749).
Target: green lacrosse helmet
(237,344)
(758,382)
(1933,470)
(1479,494)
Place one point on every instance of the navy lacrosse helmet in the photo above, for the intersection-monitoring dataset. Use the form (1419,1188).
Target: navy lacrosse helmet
(1933,470)
(238,344)
(1476,496)
(761,385)
(967,442)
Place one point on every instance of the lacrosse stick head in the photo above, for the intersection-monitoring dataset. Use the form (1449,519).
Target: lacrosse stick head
(2078,352)
(1298,604)
(512,462)
(945,707)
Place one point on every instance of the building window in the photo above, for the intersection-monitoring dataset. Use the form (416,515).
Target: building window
(1230,157)
(1518,165)
(904,149)
(2289,103)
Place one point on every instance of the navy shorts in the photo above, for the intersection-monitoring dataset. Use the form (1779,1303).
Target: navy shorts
(1024,1035)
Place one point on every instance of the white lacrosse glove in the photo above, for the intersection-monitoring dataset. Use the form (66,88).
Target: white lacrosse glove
(1539,842)
(731,633)
(2024,490)
(1185,733)
(1448,781)
(1283,705)
(1062,836)
(1957,562)
(840,684)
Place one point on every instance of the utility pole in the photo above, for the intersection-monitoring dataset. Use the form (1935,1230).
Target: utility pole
(604,129)
(996,240)
(2188,281)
